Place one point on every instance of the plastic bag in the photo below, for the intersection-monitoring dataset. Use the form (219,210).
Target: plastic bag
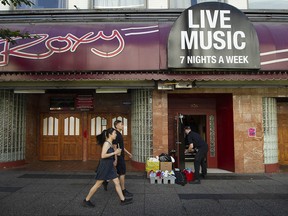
(164,158)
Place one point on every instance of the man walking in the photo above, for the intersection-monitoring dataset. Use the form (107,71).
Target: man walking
(121,165)
(196,143)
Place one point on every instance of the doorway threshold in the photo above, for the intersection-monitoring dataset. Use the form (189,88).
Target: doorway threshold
(216,170)
(209,170)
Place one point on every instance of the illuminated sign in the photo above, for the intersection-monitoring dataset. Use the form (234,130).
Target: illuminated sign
(213,35)
(83,47)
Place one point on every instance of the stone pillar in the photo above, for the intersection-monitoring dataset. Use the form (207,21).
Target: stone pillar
(248,150)
(160,123)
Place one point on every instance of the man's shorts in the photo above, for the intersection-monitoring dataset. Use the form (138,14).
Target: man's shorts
(121,166)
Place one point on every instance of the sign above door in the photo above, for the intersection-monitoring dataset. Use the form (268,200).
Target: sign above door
(213,35)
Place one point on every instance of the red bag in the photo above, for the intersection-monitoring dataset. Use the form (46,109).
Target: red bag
(189,175)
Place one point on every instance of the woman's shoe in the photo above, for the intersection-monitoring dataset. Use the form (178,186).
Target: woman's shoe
(88,203)
(127,193)
(126,201)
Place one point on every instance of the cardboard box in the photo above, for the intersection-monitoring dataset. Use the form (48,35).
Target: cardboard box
(154,166)
(166,166)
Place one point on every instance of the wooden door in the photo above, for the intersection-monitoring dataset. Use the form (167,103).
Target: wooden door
(49,137)
(97,122)
(282,118)
(61,137)
(71,137)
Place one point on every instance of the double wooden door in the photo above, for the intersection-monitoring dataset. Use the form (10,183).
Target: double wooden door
(61,137)
(72,136)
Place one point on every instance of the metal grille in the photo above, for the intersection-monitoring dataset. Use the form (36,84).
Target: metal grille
(141,122)
(12,126)
(270,131)
(212,136)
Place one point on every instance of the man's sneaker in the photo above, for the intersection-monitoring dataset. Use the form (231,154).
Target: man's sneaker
(88,204)
(196,181)
(127,193)
(126,201)
(203,176)
(105,184)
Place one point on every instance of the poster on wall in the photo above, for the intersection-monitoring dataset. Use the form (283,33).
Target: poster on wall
(213,35)
(252,132)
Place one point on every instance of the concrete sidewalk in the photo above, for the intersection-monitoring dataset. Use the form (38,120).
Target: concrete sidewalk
(25,192)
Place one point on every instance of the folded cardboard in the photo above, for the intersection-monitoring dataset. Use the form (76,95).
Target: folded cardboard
(166,166)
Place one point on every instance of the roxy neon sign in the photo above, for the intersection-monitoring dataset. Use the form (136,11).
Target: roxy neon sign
(67,43)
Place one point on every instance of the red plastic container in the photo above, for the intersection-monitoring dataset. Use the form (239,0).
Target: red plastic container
(189,175)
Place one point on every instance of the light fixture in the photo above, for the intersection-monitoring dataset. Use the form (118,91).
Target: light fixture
(29,91)
(165,86)
(184,85)
(111,90)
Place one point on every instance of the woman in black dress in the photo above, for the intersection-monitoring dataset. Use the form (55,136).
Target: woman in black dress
(106,169)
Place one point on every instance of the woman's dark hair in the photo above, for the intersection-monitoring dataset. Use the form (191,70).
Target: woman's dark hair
(101,138)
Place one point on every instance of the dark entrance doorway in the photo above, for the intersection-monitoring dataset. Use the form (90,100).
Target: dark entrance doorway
(211,115)
(200,114)
(198,125)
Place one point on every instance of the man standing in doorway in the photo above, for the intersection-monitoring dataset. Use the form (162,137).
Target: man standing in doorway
(121,165)
(196,143)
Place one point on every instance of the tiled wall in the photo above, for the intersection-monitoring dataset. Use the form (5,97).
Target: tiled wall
(160,123)
(247,111)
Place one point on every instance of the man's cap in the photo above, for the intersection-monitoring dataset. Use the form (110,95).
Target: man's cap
(187,127)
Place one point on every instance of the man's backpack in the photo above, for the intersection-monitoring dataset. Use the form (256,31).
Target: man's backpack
(180,178)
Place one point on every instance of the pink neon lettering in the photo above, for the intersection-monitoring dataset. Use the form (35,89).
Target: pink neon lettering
(64,44)
(115,34)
